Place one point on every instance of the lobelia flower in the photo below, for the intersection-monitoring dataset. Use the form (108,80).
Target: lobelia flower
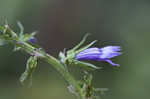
(100,54)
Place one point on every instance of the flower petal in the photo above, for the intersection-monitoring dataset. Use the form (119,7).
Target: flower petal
(89,54)
(109,52)
(109,61)
(100,54)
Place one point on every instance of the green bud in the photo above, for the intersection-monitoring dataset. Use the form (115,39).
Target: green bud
(30,67)
(62,57)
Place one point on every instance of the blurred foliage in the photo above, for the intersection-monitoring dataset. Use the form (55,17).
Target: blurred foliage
(61,23)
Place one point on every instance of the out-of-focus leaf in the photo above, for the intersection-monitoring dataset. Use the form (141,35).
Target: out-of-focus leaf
(2,42)
(1,29)
(16,48)
(101,90)
(88,78)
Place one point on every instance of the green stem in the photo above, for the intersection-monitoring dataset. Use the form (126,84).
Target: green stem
(52,61)
(67,76)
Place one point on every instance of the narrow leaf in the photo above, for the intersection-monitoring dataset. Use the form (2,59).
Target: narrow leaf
(21,28)
(85,47)
(82,42)
(86,65)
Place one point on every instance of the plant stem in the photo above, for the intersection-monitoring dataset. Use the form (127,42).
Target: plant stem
(27,47)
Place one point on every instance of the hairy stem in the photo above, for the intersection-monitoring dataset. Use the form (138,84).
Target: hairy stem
(27,47)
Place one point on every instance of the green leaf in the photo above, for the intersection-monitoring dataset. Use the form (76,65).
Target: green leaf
(2,42)
(86,65)
(30,67)
(2,28)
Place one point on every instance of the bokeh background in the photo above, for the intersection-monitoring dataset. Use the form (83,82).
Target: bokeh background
(62,24)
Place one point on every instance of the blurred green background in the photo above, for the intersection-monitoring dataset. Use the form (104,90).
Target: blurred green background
(62,24)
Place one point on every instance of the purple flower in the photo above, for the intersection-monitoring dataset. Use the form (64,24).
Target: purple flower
(100,54)
(32,40)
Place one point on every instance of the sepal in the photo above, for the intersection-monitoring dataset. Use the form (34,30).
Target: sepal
(77,49)
(69,58)
(86,65)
